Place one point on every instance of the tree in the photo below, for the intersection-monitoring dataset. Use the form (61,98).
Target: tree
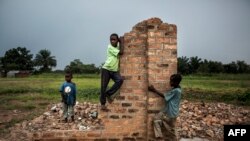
(17,59)
(1,66)
(183,66)
(203,68)
(77,66)
(45,61)
(242,67)
(215,67)
(90,68)
(194,64)
(230,68)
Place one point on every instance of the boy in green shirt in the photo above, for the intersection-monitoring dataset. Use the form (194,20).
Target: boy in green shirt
(169,113)
(110,70)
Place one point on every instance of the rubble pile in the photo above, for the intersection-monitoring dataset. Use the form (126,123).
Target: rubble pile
(199,119)
(86,118)
(196,119)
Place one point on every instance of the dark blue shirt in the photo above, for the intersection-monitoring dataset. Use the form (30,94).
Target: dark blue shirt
(68,90)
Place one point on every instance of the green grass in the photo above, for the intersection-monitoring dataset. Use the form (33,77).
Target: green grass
(228,88)
(45,87)
(218,83)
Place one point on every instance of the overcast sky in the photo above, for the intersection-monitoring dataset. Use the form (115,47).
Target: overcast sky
(217,30)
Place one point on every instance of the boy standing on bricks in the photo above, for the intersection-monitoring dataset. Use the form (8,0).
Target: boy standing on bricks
(68,93)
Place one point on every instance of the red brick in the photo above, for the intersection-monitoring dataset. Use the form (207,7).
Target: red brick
(126,90)
(154,20)
(79,134)
(140,104)
(173,41)
(143,36)
(94,134)
(151,40)
(132,98)
(164,40)
(130,35)
(151,78)
(158,34)
(156,46)
(139,91)
(154,59)
(120,110)
(173,28)
(163,26)
(168,46)
(154,71)
(48,135)
(151,52)
(137,41)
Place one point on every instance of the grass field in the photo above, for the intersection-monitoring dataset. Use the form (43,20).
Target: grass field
(45,87)
(229,88)
(33,94)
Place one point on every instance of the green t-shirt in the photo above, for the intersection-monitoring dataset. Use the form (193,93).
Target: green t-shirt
(112,62)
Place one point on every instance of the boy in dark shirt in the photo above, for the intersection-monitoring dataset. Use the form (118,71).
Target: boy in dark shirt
(68,93)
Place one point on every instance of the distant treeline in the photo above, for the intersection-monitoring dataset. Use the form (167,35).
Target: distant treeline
(186,65)
(21,59)
(77,66)
(197,65)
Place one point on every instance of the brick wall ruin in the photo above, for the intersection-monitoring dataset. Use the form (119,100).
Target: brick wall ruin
(150,57)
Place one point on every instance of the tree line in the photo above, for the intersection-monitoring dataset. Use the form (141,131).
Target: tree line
(195,64)
(20,59)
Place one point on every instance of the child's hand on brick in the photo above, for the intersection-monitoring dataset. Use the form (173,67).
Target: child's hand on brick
(151,88)
(121,39)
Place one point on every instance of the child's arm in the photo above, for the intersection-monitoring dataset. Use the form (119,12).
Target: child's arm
(74,93)
(61,92)
(121,43)
(152,89)
(62,97)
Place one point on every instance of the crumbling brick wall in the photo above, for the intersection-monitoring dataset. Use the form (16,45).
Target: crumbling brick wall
(162,62)
(150,57)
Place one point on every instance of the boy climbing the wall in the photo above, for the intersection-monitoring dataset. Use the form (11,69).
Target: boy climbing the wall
(110,70)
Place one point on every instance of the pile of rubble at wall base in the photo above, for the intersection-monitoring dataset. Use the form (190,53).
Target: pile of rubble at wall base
(199,119)
(196,119)
(85,118)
